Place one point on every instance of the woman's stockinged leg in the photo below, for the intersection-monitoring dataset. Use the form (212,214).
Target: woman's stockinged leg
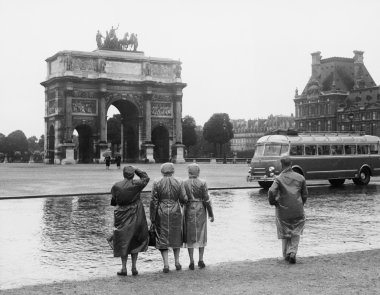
(191,254)
(176,258)
(124,263)
(165,258)
(134,259)
(201,252)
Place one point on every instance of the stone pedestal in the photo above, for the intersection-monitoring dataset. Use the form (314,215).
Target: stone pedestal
(103,147)
(178,158)
(69,151)
(148,147)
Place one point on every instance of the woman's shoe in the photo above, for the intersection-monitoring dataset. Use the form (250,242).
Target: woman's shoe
(201,264)
(166,269)
(122,273)
(191,266)
(178,266)
(134,271)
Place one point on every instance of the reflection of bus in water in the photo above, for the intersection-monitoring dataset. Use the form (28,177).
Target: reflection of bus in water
(329,156)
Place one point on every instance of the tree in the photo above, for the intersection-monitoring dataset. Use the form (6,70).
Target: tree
(3,143)
(41,142)
(114,129)
(189,136)
(218,130)
(16,141)
(33,144)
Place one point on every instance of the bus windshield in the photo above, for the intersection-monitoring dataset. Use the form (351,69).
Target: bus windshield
(271,149)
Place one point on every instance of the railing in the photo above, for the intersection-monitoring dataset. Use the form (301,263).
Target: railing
(219,160)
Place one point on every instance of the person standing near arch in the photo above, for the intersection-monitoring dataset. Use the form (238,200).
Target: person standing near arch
(130,235)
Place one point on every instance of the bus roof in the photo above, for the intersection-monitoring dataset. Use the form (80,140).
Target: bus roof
(319,138)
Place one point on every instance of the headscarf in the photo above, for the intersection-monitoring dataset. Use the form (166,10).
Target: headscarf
(167,169)
(193,170)
(129,171)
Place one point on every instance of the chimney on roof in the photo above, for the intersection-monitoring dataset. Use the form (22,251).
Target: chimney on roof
(358,69)
(316,64)
(358,57)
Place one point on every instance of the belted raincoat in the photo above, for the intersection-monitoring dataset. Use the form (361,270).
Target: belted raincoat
(196,209)
(130,235)
(168,194)
(289,193)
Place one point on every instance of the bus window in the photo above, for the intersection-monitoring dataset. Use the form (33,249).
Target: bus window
(374,148)
(337,149)
(284,149)
(363,149)
(350,149)
(296,150)
(323,150)
(259,151)
(310,150)
(276,149)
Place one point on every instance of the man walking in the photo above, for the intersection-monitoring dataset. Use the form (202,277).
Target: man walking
(289,193)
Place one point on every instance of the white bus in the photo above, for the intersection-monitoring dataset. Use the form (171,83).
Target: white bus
(329,156)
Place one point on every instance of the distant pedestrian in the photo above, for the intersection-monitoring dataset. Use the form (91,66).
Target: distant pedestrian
(195,213)
(131,229)
(168,193)
(118,161)
(289,193)
(108,162)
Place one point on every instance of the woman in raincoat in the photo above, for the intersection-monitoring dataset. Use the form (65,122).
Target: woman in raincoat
(168,193)
(195,212)
(130,235)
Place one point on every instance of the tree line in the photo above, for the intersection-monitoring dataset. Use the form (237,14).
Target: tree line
(16,147)
(201,141)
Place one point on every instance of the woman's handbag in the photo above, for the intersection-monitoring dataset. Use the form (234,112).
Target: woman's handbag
(152,236)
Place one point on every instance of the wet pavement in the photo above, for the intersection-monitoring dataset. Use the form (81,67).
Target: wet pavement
(54,239)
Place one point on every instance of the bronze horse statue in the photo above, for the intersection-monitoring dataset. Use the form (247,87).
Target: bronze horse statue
(131,42)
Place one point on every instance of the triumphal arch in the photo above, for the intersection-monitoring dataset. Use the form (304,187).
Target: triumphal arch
(81,86)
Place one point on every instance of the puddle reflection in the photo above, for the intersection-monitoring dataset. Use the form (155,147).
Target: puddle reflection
(64,238)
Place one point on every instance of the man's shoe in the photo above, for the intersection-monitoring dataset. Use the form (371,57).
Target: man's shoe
(292,258)
(134,271)
(191,266)
(122,273)
(287,257)
(201,264)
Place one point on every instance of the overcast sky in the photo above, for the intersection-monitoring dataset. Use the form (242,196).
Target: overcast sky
(241,57)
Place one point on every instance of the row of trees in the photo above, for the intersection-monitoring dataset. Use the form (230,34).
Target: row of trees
(199,142)
(16,147)
(212,138)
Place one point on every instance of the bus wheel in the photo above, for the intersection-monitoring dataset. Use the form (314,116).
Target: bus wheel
(265,184)
(297,170)
(336,182)
(364,177)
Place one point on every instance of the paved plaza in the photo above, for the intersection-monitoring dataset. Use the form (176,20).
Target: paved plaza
(40,179)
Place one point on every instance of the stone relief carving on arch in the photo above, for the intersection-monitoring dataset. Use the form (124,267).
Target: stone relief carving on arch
(131,97)
(167,123)
(89,121)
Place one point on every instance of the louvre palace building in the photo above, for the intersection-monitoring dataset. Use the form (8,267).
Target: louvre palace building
(339,96)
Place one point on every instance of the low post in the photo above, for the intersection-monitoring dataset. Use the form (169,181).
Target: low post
(68,149)
(212,159)
(178,158)
(149,152)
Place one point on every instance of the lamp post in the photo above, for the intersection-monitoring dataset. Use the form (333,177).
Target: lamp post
(351,118)
(224,144)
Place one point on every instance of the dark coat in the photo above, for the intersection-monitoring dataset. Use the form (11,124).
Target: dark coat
(289,193)
(131,228)
(168,194)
